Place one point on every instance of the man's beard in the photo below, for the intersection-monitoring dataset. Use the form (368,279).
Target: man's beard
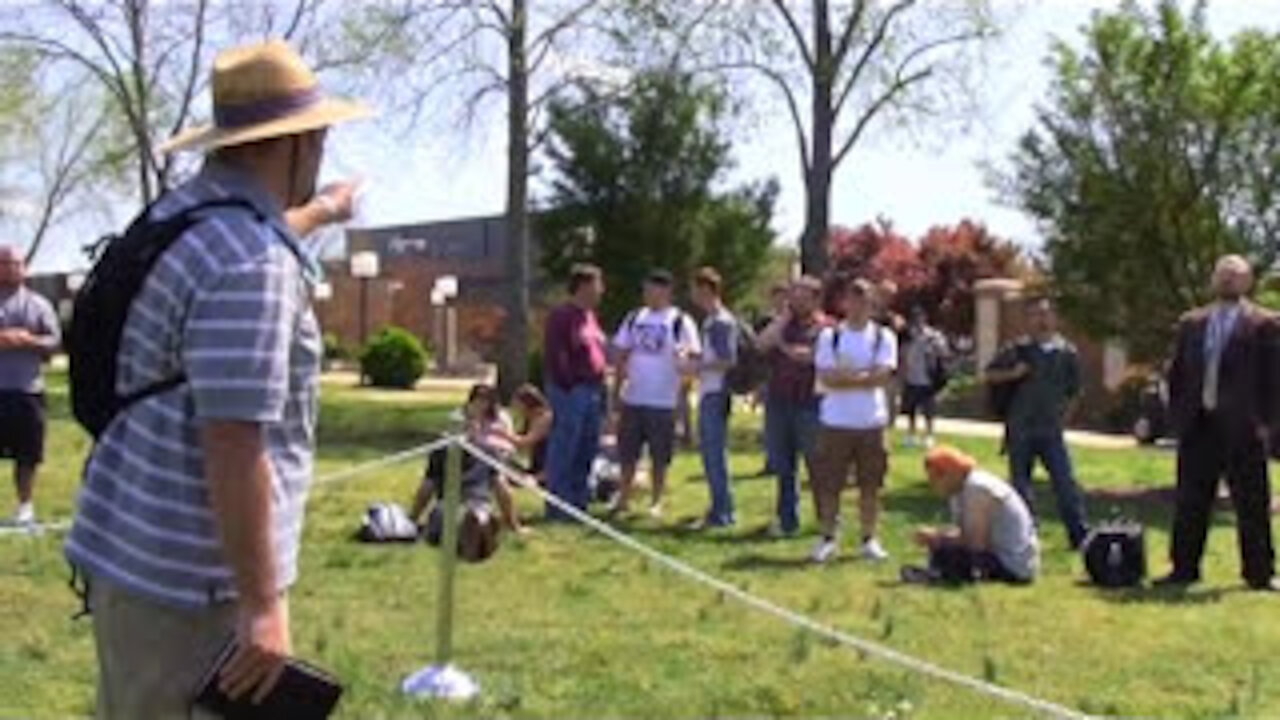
(1229,296)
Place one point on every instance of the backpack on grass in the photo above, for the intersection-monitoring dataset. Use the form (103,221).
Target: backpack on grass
(1115,554)
(386,522)
(121,264)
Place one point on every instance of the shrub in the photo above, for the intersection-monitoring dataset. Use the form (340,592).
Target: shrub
(394,358)
(334,349)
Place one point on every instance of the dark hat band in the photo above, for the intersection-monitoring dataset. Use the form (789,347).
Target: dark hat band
(231,117)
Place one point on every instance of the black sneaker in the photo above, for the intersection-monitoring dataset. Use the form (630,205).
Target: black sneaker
(915,575)
(1176,580)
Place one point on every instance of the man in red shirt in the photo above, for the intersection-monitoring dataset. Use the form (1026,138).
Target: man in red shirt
(574,353)
(791,406)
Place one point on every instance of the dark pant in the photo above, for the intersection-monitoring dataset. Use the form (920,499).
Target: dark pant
(956,564)
(713,441)
(1051,449)
(574,442)
(1206,452)
(791,430)
(22,428)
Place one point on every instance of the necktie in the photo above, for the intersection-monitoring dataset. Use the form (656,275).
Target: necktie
(1215,339)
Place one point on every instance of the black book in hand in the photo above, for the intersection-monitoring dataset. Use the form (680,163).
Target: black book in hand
(304,692)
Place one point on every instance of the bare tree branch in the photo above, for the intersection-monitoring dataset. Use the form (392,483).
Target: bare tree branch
(546,37)
(850,29)
(805,53)
(869,53)
(793,104)
(901,84)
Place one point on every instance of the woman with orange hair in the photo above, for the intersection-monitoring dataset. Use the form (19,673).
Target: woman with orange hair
(994,537)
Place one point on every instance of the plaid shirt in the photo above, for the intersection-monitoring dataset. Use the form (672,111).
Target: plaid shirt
(228,306)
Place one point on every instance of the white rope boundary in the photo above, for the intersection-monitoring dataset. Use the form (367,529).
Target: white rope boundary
(40,528)
(523,480)
(864,646)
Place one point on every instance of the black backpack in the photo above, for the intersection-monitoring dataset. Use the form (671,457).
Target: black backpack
(751,368)
(1115,554)
(1000,395)
(121,264)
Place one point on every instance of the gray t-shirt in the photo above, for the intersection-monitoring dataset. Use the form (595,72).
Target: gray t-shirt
(719,343)
(925,347)
(20,370)
(1013,532)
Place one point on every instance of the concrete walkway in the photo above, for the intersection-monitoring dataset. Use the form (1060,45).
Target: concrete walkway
(987,429)
(436,386)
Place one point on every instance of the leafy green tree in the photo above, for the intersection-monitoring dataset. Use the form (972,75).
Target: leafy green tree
(1157,150)
(635,186)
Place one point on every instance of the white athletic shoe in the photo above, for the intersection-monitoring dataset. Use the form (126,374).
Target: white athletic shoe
(655,511)
(872,550)
(26,514)
(929,442)
(824,551)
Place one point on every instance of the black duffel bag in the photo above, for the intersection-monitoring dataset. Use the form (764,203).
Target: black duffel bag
(1115,554)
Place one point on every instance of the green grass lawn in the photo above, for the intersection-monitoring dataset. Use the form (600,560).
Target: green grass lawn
(567,624)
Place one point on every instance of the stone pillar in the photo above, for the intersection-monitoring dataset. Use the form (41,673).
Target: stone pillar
(1115,364)
(989,298)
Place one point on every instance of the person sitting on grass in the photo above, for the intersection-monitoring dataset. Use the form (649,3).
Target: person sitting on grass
(481,484)
(994,537)
(535,429)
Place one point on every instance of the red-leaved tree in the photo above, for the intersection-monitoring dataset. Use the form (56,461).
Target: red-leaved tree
(937,273)
(956,257)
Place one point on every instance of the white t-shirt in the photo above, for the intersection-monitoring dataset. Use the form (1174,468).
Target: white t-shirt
(855,408)
(653,346)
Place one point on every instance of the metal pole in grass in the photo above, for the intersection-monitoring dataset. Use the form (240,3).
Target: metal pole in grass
(442,680)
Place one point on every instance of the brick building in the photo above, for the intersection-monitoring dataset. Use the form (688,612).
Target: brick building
(412,257)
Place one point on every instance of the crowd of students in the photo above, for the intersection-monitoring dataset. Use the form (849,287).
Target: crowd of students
(834,356)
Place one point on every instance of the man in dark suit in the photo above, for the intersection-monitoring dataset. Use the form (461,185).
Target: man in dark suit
(1222,396)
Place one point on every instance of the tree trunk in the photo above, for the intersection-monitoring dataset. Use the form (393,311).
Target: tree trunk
(513,361)
(813,243)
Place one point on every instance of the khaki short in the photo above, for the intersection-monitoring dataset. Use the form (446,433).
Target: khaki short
(838,450)
(151,657)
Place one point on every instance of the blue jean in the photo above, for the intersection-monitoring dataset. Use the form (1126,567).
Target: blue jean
(1051,449)
(574,442)
(790,431)
(713,441)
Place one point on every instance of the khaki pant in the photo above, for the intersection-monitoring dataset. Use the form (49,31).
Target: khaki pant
(151,657)
(838,450)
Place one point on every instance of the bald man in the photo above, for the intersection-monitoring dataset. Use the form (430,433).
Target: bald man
(29,334)
(1223,384)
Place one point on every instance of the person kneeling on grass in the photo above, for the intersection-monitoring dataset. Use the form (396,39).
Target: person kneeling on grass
(994,537)
(481,485)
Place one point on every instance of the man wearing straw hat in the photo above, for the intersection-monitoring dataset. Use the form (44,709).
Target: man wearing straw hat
(190,515)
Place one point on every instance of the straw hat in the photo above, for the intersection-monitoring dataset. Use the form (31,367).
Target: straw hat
(263,91)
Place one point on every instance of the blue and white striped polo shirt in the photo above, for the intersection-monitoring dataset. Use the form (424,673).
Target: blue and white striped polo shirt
(228,306)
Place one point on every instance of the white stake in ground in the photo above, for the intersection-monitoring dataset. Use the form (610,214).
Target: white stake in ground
(442,680)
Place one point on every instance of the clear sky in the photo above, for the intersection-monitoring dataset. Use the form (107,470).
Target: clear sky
(915,181)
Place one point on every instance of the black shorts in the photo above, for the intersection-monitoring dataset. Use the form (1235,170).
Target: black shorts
(22,427)
(919,398)
(641,426)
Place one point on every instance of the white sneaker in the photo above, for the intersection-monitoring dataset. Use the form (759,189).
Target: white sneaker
(26,514)
(655,511)
(824,551)
(872,550)
(929,442)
